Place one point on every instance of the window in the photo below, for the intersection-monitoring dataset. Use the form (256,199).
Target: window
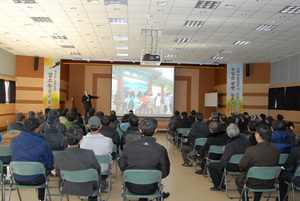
(6,85)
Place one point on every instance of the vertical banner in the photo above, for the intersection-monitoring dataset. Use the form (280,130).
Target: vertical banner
(234,89)
(51,83)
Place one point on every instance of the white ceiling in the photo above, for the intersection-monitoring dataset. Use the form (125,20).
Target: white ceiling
(87,28)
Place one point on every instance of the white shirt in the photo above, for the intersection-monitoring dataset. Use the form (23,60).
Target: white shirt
(100,144)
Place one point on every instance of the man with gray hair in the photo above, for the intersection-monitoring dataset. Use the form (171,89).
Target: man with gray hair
(213,117)
(17,126)
(31,114)
(237,144)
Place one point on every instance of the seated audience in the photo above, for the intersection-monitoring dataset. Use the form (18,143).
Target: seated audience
(213,117)
(113,121)
(17,126)
(61,127)
(191,118)
(263,154)
(79,119)
(237,144)
(290,127)
(223,122)
(91,113)
(39,116)
(107,131)
(262,120)
(73,121)
(100,114)
(53,137)
(63,115)
(183,123)
(30,146)
(116,121)
(250,132)
(281,138)
(243,123)
(75,158)
(97,142)
(132,133)
(145,153)
(46,113)
(198,130)
(280,118)
(124,125)
(269,121)
(216,137)
(31,114)
(174,119)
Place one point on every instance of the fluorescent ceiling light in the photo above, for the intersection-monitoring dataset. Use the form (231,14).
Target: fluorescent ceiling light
(227,51)
(74,53)
(241,42)
(41,19)
(122,47)
(59,37)
(121,38)
(217,57)
(171,55)
(182,40)
(122,55)
(118,20)
(115,2)
(67,46)
(162,3)
(190,23)
(24,1)
(265,27)
(93,1)
(291,10)
(176,49)
(208,4)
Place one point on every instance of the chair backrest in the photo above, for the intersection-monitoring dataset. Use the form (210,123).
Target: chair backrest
(27,168)
(115,148)
(55,152)
(104,159)
(216,149)
(142,177)
(282,158)
(79,176)
(1,165)
(5,151)
(235,159)
(183,131)
(200,141)
(264,173)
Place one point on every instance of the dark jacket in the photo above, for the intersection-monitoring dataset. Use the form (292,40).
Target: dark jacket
(55,139)
(250,136)
(261,155)
(72,159)
(192,119)
(282,140)
(219,138)
(107,131)
(88,103)
(131,134)
(173,120)
(293,161)
(29,146)
(183,123)
(243,126)
(61,128)
(198,130)
(222,126)
(17,126)
(235,145)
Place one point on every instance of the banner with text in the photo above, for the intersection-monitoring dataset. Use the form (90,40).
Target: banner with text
(234,103)
(51,83)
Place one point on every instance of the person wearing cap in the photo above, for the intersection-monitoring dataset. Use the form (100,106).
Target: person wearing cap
(55,139)
(198,130)
(97,142)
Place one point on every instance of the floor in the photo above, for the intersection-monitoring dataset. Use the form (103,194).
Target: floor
(182,183)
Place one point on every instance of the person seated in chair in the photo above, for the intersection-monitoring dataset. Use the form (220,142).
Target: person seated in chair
(250,133)
(145,153)
(17,126)
(75,158)
(237,144)
(133,131)
(281,138)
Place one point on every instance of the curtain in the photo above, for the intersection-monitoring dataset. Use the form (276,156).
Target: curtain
(279,95)
(2,91)
(12,92)
(272,99)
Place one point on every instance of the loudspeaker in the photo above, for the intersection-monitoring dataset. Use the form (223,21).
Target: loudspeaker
(36,63)
(247,70)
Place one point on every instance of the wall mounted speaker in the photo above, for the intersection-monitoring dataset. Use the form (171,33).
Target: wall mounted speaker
(247,70)
(36,63)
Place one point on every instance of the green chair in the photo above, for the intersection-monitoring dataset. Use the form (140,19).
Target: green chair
(80,176)
(213,149)
(106,159)
(142,177)
(291,186)
(198,142)
(115,150)
(56,152)
(282,159)
(27,169)
(181,135)
(262,173)
(4,152)
(235,159)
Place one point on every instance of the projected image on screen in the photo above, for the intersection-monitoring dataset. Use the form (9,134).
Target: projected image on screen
(148,91)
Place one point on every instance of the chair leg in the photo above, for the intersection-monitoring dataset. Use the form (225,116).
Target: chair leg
(19,194)
(10,187)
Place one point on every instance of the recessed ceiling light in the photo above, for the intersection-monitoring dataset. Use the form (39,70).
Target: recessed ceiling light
(182,40)
(190,23)
(176,49)
(74,53)
(29,7)
(230,6)
(73,8)
(217,57)
(100,26)
(227,51)
(170,55)
(122,55)
(208,4)
(79,20)
(155,27)
(291,10)
(160,10)
(265,27)
(122,47)
(117,20)
(24,1)
(41,19)
(241,42)
(116,9)
(115,2)
(67,46)
(156,22)
(93,1)
(162,3)
(58,37)
(121,38)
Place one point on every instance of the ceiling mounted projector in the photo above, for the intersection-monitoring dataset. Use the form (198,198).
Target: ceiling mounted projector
(151,57)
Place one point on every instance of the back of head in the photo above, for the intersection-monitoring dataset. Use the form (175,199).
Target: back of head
(270,119)
(223,117)
(246,118)
(72,116)
(199,116)
(193,112)
(279,117)
(214,115)
(53,112)
(113,112)
(130,111)
(264,132)
(214,126)
(278,125)
(47,110)
(64,112)
(233,130)
(20,116)
(184,115)
(134,120)
(53,121)
(94,123)
(263,116)
(73,135)
(290,125)
(148,126)
(30,114)
(100,114)
(30,124)
(177,113)
(91,111)
(252,125)
(125,118)
(105,120)
(74,109)
(112,117)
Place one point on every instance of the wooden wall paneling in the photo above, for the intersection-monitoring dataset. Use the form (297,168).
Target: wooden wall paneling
(179,96)
(102,88)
